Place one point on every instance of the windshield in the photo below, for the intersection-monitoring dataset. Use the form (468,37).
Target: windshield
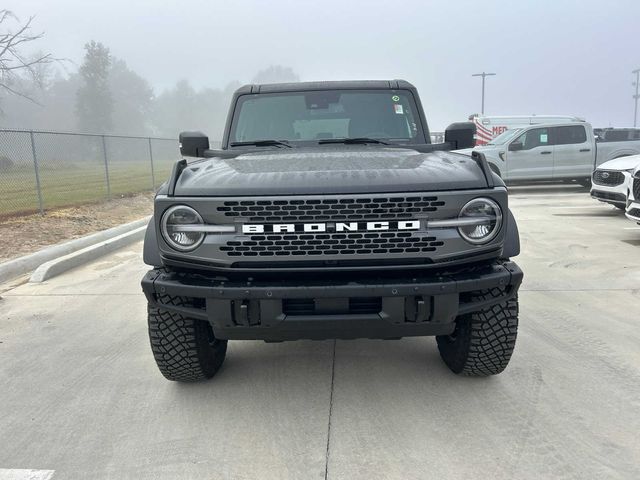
(505,136)
(310,117)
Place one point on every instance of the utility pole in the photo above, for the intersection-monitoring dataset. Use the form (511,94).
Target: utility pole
(636,96)
(483,75)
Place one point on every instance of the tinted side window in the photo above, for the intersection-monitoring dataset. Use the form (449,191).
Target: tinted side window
(570,134)
(536,137)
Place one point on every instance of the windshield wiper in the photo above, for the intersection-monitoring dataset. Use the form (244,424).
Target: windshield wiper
(262,143)
(348,141)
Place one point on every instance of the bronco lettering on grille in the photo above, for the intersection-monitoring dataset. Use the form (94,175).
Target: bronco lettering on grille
(331,227)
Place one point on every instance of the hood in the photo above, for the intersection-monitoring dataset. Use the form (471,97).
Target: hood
(622,163)
(329,170)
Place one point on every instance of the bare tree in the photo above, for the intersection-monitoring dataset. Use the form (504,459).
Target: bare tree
(15,65)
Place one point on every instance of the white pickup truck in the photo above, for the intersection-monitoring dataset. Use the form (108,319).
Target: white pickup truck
(558,151)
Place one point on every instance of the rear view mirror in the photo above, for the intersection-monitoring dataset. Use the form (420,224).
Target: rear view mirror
(515,146)
(461,135)
(193,144)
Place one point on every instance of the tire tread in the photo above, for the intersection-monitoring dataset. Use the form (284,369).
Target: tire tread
(485,339)
(180,344)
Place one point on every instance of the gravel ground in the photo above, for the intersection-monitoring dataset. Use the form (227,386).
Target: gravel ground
(29,233)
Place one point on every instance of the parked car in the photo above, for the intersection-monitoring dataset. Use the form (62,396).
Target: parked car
(633,202)
(489,127)
(611,181)
(564,151)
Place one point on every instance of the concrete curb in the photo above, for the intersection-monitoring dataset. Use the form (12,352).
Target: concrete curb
(22,265)
(60,265)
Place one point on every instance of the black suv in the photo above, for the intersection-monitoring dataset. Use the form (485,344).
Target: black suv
(327,213)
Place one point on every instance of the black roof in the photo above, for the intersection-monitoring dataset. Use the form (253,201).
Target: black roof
(337,85)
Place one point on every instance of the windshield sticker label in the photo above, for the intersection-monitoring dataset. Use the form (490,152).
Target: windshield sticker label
(398,109)
(543,138)
(395,98)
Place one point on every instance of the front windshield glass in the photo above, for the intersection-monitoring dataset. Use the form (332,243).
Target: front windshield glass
(505,136)
(309,117)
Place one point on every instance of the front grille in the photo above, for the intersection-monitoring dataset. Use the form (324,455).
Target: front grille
(636,189)
(609,178)
(335,209)
(331,244)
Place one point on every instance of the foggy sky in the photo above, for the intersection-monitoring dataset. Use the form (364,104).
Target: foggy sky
(551,56)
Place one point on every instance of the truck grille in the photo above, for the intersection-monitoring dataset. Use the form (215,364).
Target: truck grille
(331,244)
(636,189)
(608,177)
(336,209)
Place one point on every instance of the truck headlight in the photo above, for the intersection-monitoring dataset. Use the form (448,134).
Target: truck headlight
(177,229)
(482,220)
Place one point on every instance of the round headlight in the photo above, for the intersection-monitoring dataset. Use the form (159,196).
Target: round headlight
(484,219)
(177,228)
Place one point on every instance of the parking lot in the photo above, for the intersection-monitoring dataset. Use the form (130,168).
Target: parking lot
(81,394)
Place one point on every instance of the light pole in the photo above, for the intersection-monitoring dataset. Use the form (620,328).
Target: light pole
(483,75)
(636,96)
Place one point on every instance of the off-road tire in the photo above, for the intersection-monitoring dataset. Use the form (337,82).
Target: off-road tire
(483,341)
(185,349)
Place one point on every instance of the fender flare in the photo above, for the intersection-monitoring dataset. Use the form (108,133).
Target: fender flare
(150,252)
(512,237)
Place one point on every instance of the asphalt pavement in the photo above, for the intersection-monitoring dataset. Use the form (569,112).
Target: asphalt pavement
(81,398)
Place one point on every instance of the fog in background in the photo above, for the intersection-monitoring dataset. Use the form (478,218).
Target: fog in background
(185,58)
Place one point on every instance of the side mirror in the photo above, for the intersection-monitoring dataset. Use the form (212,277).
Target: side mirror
(515,146)
(193,144)
(461,135)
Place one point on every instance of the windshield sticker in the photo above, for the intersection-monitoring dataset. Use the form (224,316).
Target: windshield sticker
(543,138)
(398,109)
(395,98)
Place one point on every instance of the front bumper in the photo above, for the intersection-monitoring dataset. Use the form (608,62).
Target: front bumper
(633,211)
(616,195)
(367,307)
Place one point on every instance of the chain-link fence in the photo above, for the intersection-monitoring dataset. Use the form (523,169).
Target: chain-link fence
(43,170)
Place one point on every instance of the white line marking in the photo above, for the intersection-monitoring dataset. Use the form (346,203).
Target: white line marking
(631,228)
(577,206)
(25,474)
(532,195)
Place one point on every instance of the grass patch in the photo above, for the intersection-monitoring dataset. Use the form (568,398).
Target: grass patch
(72,185)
